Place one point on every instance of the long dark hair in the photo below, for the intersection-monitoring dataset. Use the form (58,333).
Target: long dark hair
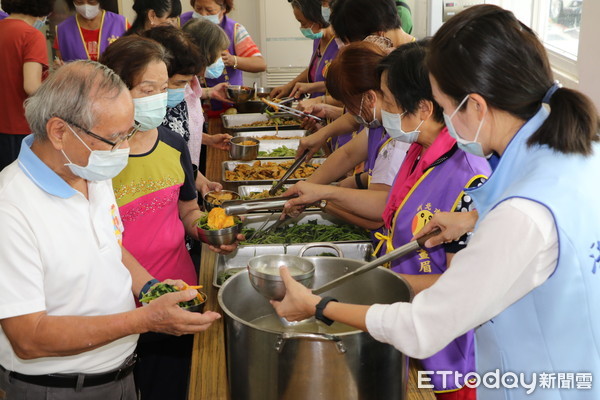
(169,8)
(486,50)
(354,20)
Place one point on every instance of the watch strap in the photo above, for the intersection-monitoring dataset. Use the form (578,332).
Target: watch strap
(147,287)
(320,307)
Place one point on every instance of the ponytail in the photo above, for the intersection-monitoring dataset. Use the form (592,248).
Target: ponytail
(572,126)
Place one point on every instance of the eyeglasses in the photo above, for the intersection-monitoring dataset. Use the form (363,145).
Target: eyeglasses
(115,145)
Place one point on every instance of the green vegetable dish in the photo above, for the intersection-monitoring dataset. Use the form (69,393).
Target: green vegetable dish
(308,232)
(282,151)
(228,273)
(163,288)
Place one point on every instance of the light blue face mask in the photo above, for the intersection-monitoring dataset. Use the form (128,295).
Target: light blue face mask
(468,146)
(150,111)
(326,13)
(309,34)
(215,70)
(175,96)
(214,18)
(393,126)
(39,23)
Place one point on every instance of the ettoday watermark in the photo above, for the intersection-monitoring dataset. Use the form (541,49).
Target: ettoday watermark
(509,380)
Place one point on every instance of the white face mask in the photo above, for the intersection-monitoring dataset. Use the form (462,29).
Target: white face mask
(102,164)
(88,11)
(393,126)
(214,18)
(375,123)
(468,146)
(151,110)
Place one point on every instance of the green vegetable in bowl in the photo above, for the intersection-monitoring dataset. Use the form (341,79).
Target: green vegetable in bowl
(282,151)
(308,232)
(228,273)
(326,254)
(163,288)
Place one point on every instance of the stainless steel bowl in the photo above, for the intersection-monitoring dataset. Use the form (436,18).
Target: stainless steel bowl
(209,206)
(238,151)
(199,308)
(263,272)
(263,92)
(240,94)
(251,106)
(220,237)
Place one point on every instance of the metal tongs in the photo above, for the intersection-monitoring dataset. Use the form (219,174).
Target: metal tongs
(290,110)
(288,173)
(237,207)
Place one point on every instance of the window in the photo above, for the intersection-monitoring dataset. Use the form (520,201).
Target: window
(557,23)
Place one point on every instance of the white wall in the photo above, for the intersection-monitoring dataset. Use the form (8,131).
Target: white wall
(589,55)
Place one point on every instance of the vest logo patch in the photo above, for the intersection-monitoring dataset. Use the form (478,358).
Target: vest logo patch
(595,255)
(112,39)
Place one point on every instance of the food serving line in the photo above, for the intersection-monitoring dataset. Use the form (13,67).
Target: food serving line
(209,373)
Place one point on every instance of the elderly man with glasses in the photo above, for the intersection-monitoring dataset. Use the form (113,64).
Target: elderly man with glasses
(68,320)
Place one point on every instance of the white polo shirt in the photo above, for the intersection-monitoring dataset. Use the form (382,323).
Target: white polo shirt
(60,253)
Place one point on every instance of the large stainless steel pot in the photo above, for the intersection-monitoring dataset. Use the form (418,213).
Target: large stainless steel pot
(274,362)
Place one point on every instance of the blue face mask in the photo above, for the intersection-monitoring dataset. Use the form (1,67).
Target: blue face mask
(309,34)
(393,126)
(175,96)
(150,111)
(468,146)
(326,13)
(39,23)
(212,18)
(215,70)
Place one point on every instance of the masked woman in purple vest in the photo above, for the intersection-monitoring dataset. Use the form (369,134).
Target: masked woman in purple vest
(85,35)
(314,27)
(528,280)
(353,80)
(151,13)
(242,54)
(431,179)
(352,21)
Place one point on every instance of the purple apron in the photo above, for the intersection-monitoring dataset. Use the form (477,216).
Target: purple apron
(378,138)
(439,189)
(3,15)
(70,39)
(185,17)
(338,141)
(231,75)
(331,52)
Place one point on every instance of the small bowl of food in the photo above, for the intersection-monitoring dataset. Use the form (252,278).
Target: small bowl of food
(263,272)
(244,148)
(240,94)
(217,228)
(194,305)
(216,199)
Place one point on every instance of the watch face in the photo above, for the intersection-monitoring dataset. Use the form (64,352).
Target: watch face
(323,204)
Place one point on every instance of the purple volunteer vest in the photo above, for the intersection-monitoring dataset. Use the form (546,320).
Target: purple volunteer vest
(185,17)
(338,141)
(331,52)
(3,15)
(70,39)
(231,75)
(439,189)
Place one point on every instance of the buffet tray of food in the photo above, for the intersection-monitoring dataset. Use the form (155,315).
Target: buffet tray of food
(258,122)
(266,171)
(295,134)
(230,264)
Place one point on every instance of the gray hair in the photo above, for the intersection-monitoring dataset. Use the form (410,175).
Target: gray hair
(209,38)
(71,93)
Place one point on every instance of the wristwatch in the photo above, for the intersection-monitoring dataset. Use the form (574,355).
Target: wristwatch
(323,204)
(319,310)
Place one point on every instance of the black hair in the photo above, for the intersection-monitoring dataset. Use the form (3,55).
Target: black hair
(408,77)
(487,50)
(34,8)
(129,56)
(186,58)
(311,9)
(162,8)
(354,20)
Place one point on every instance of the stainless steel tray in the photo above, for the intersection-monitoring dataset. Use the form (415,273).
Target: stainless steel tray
(238,260)
(283,134)
(270,145)
(246,190)
(230,166)
(233,122)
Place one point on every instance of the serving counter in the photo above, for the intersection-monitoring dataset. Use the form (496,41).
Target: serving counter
(208,379)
